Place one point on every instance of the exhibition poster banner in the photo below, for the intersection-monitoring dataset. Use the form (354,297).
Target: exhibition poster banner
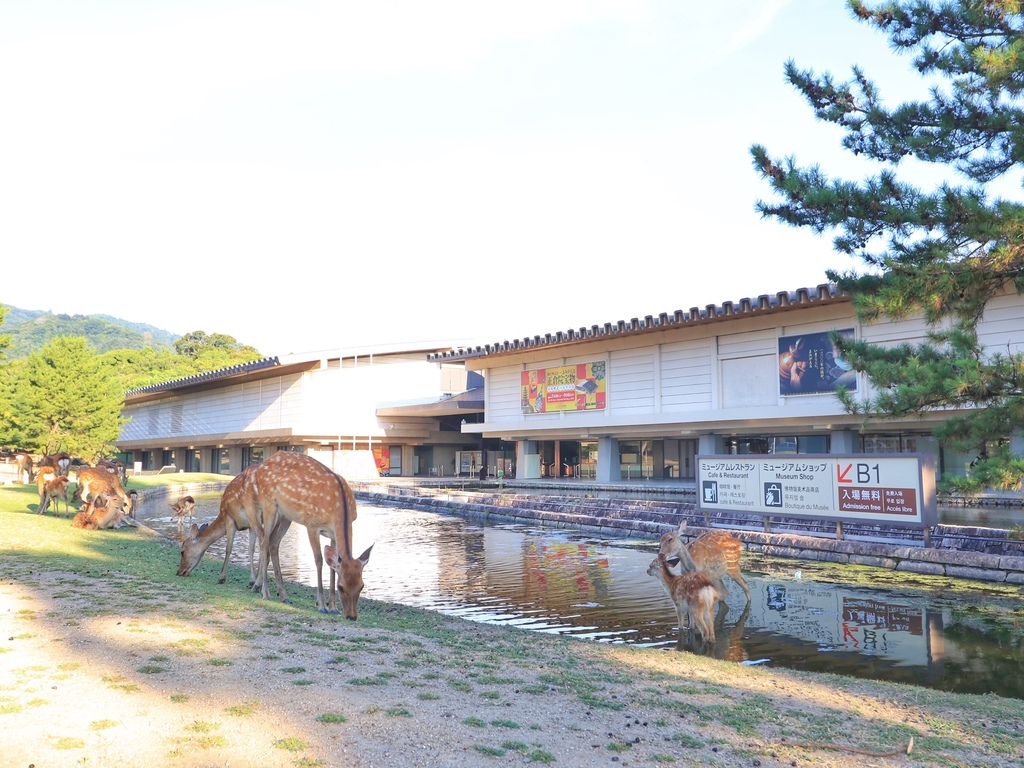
(810,364)
(895,488)
(579,387)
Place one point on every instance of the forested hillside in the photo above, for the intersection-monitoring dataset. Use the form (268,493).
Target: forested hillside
(32,330)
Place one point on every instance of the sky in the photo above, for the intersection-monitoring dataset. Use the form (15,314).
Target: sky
(307,176)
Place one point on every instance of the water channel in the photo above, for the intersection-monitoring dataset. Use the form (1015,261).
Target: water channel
(802,615)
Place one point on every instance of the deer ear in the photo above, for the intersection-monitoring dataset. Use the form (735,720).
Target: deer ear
(331,556)
(366,555)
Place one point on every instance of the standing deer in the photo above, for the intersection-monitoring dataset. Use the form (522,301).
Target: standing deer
(93,481)
(52,488)
(59,461)
(24,462)
(693,595)
(183,506)
(715,553)
(237,504)
(297,488)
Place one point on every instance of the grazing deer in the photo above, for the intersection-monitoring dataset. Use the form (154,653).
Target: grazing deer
(102,512)
(182,506)
(24,462)
(236,505)
(52,488)
(693,595)
(714,553)
(297,488)
(93,481)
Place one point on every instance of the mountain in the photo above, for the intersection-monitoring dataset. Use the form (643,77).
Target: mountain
(31,330)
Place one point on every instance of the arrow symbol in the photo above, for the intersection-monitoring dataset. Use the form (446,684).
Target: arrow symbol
(843,473)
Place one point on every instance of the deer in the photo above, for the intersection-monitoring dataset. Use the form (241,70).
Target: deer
(115,467)
(184,505)
(24,462)
(693,595)
(295,487)
(715,553)
(59,461)
(54,488)
(102,512)
(236,505)
(93,481)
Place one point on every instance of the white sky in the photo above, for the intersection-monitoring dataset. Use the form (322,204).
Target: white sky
(310,175)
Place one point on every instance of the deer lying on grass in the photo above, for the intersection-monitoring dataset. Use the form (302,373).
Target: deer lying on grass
(183,506)
(236,505)
(102,512)
(53,488)
(93,481)
(714,553)
(297,488)
(693,595)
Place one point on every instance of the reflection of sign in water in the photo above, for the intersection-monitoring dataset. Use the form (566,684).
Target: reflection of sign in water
(776,597)
(564,567)
(872,613)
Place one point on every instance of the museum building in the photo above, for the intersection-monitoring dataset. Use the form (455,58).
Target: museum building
(625,401)
(639,400)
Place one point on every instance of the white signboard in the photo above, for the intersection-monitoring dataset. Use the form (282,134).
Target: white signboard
(872,488)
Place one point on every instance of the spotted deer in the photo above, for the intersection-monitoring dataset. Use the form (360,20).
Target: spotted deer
(93,481)
(294,487)
(102,512)
(714,553)
(237,503)
(692,594)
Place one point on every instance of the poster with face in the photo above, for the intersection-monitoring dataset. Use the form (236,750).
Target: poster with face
(810,364)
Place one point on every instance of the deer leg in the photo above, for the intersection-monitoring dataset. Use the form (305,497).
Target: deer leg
(318,559)
(279,530)
(720,588)
(738,578)
(265,545)
(229,533)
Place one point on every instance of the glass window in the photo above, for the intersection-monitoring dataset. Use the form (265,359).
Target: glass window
(252,455)
(223,461)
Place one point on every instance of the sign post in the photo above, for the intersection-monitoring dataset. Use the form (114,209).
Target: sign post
(865,488)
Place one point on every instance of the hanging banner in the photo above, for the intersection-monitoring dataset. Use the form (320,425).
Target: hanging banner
(579,387)
(810,364)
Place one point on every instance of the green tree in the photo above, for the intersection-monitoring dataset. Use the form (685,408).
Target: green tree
(943,251)
(65,401)
(198,343)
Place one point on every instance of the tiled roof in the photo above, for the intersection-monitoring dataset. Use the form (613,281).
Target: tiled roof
(200,378)
(763,304)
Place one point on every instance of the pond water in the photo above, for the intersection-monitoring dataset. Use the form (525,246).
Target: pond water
(802,615)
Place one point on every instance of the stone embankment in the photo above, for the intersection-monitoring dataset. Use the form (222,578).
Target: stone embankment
(988,554)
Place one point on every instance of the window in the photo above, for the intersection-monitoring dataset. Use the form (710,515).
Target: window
(252,455)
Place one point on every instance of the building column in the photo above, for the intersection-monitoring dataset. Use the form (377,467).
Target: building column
(843,441)
(710,445)
(608,469)
(527,460)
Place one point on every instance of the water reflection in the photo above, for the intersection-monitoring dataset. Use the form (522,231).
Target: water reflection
(563,582)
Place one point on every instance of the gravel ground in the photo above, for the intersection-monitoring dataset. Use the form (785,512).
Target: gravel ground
(100,670)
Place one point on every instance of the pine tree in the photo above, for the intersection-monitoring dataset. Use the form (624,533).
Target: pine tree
(66,401)
(944,252)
